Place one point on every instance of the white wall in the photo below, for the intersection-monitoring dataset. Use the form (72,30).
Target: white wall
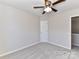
(60,28)
(17,29)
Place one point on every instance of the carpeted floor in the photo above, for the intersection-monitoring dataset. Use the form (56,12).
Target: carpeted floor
(44,51)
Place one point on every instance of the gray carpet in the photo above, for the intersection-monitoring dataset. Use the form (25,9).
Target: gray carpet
(44,51)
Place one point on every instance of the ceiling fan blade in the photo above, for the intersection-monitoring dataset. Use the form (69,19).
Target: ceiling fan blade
(54,10)
(59,1)
(43,12)
(39,7)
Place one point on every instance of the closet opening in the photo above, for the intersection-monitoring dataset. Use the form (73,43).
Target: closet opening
(75,32)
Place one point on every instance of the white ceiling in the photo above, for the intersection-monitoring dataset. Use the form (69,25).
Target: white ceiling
(27,5)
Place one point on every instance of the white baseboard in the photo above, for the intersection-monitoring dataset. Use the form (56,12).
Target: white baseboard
(59,45)
(7,53)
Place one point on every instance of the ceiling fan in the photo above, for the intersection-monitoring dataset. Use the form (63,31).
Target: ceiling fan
(49,6)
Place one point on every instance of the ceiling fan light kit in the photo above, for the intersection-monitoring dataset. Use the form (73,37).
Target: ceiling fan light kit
(47,9)
(49,6)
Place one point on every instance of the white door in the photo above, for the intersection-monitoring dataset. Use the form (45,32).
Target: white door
(44,30)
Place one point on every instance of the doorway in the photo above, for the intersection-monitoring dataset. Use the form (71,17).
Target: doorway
(44,31)
(75,31)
